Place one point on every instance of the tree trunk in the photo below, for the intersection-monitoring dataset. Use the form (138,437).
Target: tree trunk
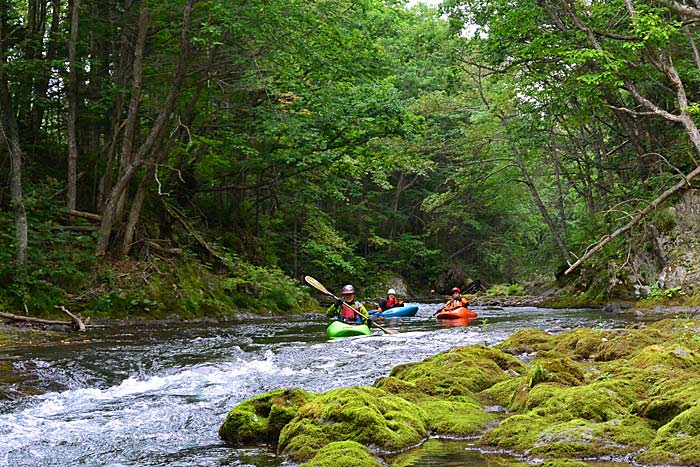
(9,138)
(41,83)
(637,217)
(154,137)
(561,243)
(72,96)
(120,79)
(135,211)
(665,65)
(134,102)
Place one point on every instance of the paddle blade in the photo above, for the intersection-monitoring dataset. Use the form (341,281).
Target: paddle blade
(316,285)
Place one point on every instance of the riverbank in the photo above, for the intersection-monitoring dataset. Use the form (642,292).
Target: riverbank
(626,394)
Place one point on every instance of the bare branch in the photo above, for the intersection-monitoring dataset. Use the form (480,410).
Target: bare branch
(681,9)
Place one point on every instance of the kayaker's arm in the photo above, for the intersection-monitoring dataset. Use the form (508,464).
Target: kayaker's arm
(332,311)
(362,311)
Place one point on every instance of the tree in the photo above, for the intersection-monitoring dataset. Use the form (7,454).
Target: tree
(9,138)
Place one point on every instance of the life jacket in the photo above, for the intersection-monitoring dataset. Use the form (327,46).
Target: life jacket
(350,314)
(456,303)
(391,301)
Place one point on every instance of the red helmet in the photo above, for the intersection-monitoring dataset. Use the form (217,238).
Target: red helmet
(348,290)
(456,289)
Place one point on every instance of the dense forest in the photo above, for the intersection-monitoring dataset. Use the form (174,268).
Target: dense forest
(203,155)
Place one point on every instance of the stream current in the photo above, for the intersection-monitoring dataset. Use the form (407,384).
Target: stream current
(155,396)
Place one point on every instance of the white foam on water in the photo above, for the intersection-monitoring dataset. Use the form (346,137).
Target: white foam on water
(130,413)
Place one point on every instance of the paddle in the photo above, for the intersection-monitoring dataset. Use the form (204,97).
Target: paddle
(438,311)
(318,286)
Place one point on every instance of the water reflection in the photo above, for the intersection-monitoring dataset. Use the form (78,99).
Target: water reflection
(450,323)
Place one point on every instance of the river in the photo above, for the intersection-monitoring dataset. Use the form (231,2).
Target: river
(147,395)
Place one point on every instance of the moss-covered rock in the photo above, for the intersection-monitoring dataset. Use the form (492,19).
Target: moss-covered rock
(670,399)
(558,369)
(462,371)
(582,343)
(677,442)
(367,415)
(563,463)
(585,394)
(517,432)
(582,438)
(627,343)
(343,454)
(260,419)
(598,402)
(504,392)
(458,416)
(527,340)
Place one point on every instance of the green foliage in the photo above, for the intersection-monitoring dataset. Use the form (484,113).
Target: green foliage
(351,139)
(537,374)
(658,293)
(664,220)
(505,290)
(60,261)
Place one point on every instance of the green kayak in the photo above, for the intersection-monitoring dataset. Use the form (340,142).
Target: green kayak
(340,329)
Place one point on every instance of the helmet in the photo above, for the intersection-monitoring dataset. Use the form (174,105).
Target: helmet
(456,289)
(391,292)
(348,290)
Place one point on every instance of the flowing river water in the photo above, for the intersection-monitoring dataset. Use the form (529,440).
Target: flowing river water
(156,395)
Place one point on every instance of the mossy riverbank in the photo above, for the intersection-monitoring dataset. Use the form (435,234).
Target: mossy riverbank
(566,399)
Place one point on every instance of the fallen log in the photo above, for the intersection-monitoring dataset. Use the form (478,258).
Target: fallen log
(31,319)
(683,183)
(163,249)
(75,321)
(84,215)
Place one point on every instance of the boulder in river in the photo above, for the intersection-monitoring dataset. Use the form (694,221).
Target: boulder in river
(367,415)
(260,419)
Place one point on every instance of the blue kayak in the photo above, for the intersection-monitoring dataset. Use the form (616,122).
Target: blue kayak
(396,312)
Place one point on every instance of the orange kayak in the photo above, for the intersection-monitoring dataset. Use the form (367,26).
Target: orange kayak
(456,313)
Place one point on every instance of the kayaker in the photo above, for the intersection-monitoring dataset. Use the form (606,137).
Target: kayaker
(456,301)
(389,302)
(347,309)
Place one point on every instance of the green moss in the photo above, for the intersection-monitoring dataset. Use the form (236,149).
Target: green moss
(526,398)
(527,340)
(600,401)
(672,396)
(582,438)
(559,368)
(502,393)
(677,442)
(342,454)
(367,415)
(460,416)
(192,290)
(517,432)
(260,419)
(582,343)
(631,342)
(563,463)
(459,372)
(669,356)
